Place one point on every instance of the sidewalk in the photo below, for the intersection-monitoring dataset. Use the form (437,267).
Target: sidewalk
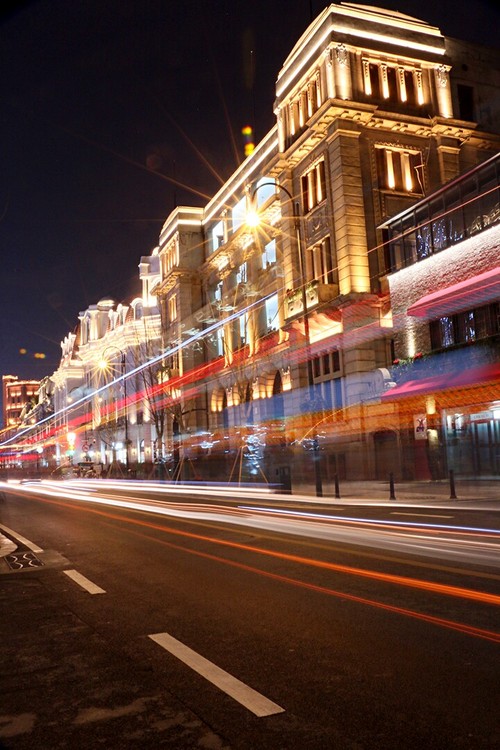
(477,494)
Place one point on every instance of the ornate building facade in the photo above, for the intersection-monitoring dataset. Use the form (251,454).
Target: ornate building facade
(272,329)
(369,120)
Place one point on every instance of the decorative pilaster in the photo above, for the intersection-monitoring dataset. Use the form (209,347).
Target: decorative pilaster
(342,71)
(349,212)
(443,90)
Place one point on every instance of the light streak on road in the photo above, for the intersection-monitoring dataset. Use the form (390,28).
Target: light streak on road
(459,544)
(464,628)
(371,521)
(292,523)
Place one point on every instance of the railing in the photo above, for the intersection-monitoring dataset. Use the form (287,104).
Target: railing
(464,208)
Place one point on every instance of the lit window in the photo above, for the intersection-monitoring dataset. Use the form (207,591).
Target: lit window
(172,308)
(323,263)
(313,186)
(217,236)
(272,313)
(239,214)
(269,254)
(241,274)
(399,169)
(243,326)
(171,256)
(265,189)
(397,84)
(465,327)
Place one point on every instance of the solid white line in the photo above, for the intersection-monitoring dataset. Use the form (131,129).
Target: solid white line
(84,582)
(33,547)
(247,696)
(425,515)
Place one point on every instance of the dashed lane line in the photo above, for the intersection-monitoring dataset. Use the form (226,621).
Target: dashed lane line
(77,577)
(31,545)
(243,694)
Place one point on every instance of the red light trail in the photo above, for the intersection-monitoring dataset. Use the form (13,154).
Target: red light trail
(430,587)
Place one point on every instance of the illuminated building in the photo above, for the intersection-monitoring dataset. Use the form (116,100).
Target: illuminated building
(375,111)
(444,258)
(16,394)
(371,116)
(92,401)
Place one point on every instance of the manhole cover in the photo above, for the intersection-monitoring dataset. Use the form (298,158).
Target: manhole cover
(19,560)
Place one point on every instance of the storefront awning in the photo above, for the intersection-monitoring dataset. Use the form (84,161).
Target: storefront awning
(446,381)
(465,295)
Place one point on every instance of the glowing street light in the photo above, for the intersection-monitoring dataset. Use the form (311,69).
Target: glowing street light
(253,220)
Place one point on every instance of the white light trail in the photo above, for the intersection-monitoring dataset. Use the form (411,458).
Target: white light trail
(466,544)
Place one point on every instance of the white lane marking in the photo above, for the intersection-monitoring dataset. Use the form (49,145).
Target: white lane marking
(425,515)
(77,577)
(247,696)
(33,547)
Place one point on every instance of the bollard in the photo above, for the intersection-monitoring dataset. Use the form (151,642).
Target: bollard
(453,494)
(392,495)
(337,487)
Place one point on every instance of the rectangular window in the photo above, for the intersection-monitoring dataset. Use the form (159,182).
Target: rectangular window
(269,254)
(464,327)
(409,82)
(172,308)
(171,256)
(446,329)
(217,236)
(374,79)
(172,364)
(392,83)
(465,102)
(392,91)
(272,313)
(265,189)
(323,263)
(243,328)
(239,214)
(241,274)
(219,341)
(313,187)
(398,170)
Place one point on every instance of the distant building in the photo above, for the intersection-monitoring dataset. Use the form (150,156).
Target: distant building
(17,395)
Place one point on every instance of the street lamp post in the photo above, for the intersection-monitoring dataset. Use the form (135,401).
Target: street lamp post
(307,335)
(124,378)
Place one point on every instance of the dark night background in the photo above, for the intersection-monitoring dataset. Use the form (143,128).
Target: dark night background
(103,106)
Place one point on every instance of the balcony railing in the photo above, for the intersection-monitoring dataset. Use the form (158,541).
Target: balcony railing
(467,206)
(316,294)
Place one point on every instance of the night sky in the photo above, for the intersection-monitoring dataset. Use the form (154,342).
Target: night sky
(104,106)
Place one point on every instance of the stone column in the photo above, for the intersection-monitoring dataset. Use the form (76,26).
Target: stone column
(348,210)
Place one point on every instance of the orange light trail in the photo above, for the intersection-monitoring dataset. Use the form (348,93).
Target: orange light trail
(436,588)
(433,620)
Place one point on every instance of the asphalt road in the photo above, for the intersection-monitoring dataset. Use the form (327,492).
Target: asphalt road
(320,637)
